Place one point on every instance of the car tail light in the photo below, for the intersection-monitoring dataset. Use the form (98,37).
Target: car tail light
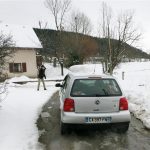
(123,104)
(68,105)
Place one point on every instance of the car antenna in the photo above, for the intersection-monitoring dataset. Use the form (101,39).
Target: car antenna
(94,69)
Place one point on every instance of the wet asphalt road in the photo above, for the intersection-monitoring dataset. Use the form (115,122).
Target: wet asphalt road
(137,137)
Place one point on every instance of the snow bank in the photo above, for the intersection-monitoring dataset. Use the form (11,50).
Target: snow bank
(136,85)
(19,110)
(87,69)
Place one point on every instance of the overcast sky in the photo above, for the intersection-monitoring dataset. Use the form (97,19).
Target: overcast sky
(29,12)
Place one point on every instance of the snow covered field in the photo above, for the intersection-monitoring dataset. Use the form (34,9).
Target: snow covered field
(137,88)
(20,105)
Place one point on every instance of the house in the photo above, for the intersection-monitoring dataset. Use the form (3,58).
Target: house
(24,60)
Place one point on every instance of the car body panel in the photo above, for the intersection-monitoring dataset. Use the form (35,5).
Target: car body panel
(91,106)
(79,118)
(96,104)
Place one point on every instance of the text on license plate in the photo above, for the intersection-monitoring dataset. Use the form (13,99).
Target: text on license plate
(98,119)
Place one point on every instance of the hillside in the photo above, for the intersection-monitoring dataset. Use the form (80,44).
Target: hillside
(131,52)
(50,41)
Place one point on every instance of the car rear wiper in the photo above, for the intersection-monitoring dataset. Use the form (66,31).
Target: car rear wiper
(96,95)
(106,93)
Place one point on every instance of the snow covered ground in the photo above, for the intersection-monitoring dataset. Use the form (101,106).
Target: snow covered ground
(137,88)
(20,105)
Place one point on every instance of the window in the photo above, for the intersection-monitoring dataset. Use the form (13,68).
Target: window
(95,87)
(17,67)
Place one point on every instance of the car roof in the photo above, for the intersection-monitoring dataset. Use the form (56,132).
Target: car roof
(85,76)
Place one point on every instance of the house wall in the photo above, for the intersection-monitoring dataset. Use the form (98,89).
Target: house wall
(27,56)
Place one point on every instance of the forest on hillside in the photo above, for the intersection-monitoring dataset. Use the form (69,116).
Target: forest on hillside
(76,47)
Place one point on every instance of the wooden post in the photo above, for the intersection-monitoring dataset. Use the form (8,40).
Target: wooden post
(123,75)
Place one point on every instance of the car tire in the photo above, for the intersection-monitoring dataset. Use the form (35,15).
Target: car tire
(63,128)
(123,128)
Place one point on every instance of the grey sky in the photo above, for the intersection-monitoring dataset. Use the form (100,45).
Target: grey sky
(29,12)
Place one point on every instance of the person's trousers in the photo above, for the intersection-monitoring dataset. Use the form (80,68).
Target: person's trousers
(39,81)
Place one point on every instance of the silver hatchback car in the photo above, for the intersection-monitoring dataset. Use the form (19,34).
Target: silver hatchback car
(92,100)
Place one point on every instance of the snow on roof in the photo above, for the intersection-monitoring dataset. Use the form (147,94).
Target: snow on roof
(23,36)
(87,69)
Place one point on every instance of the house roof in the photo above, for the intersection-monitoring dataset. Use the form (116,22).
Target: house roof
(23,36)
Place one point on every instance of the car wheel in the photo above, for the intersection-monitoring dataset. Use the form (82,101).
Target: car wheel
(123,128)
(63,128)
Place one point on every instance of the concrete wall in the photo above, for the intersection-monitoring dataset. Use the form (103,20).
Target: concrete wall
(27,56)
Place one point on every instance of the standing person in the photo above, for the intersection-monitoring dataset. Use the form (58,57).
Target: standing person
(41,76)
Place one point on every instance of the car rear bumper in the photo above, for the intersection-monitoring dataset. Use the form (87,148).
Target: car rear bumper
(80,118)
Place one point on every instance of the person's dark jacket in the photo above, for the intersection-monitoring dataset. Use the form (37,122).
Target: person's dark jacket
(41,73)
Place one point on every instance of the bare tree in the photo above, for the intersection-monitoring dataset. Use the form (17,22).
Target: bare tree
(118,32)
(78,48)
(6,43)
(58,8)
(42,25)
(6,50)
(80,23)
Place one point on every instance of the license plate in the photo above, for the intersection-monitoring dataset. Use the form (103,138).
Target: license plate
(98,119)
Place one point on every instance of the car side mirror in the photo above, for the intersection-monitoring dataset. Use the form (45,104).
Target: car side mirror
(58,85)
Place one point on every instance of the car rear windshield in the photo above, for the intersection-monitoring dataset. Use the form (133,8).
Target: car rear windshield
(95,88)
